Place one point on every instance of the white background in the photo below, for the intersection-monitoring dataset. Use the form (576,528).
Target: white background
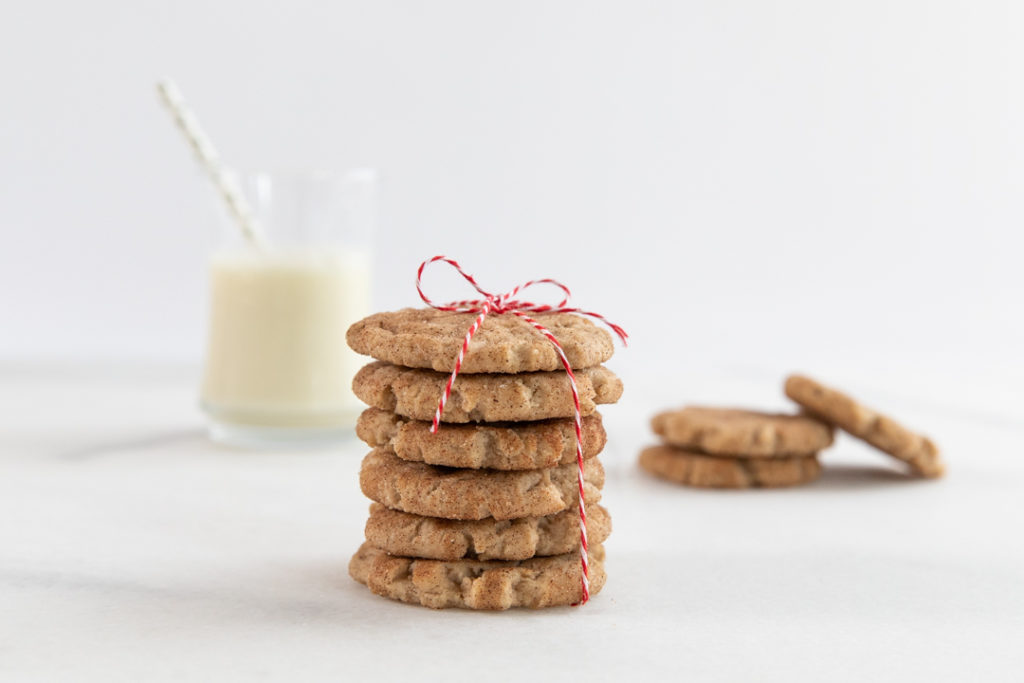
(781,183)
(750,188)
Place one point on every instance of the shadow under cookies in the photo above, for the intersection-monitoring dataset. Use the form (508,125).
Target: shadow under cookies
(851,477)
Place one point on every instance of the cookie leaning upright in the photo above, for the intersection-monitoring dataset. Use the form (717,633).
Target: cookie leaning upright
(485,434)
(881,431)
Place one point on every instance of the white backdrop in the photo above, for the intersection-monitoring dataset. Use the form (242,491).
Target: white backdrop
(745,185)
(749,187)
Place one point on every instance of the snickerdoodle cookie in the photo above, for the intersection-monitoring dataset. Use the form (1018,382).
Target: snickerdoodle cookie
(880,431)
(474,584)
(502,446)
(452,493)
(722,472)
(742,433)
(402,533)
(485,397)
(430,338)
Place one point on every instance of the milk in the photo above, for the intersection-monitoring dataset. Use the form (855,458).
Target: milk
(277,356)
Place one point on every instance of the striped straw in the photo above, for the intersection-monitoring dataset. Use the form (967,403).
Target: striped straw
(208,158)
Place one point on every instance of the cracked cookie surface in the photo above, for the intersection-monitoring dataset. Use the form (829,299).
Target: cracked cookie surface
(736,432)
(526,396)
(402,533)
(450,493)
(721,472)
(879,430)
(472,584)
(508,446)
(429,338)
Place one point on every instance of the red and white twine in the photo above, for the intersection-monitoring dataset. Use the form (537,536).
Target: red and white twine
(500,304)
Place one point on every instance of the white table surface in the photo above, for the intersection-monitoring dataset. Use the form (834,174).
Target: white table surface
(132,549)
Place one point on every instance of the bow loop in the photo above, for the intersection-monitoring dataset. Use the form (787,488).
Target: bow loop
(507,302)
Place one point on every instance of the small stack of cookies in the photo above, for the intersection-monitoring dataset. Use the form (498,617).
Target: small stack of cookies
(736,449)
(484,513)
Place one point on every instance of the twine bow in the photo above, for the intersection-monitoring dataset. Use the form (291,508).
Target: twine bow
(501,304)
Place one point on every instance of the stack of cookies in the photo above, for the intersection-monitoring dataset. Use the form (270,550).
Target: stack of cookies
(736,449)
(732,448)
(484,513)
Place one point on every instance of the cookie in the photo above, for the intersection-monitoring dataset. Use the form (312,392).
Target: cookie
(720,472)
(880,431)
(742,433)
(451,493)
(509,446)
(429,338)
(401,533)
(484,398)
(473,584)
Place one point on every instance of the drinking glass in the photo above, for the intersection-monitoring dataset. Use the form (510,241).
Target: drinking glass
(278,372)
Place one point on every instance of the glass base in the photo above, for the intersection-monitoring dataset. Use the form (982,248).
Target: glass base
(254,437)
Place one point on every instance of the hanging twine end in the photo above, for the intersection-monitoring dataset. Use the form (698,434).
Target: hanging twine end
(620,332)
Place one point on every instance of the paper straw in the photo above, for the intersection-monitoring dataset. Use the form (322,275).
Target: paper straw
(208,158)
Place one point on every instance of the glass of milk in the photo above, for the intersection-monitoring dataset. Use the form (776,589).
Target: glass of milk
(278,372)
